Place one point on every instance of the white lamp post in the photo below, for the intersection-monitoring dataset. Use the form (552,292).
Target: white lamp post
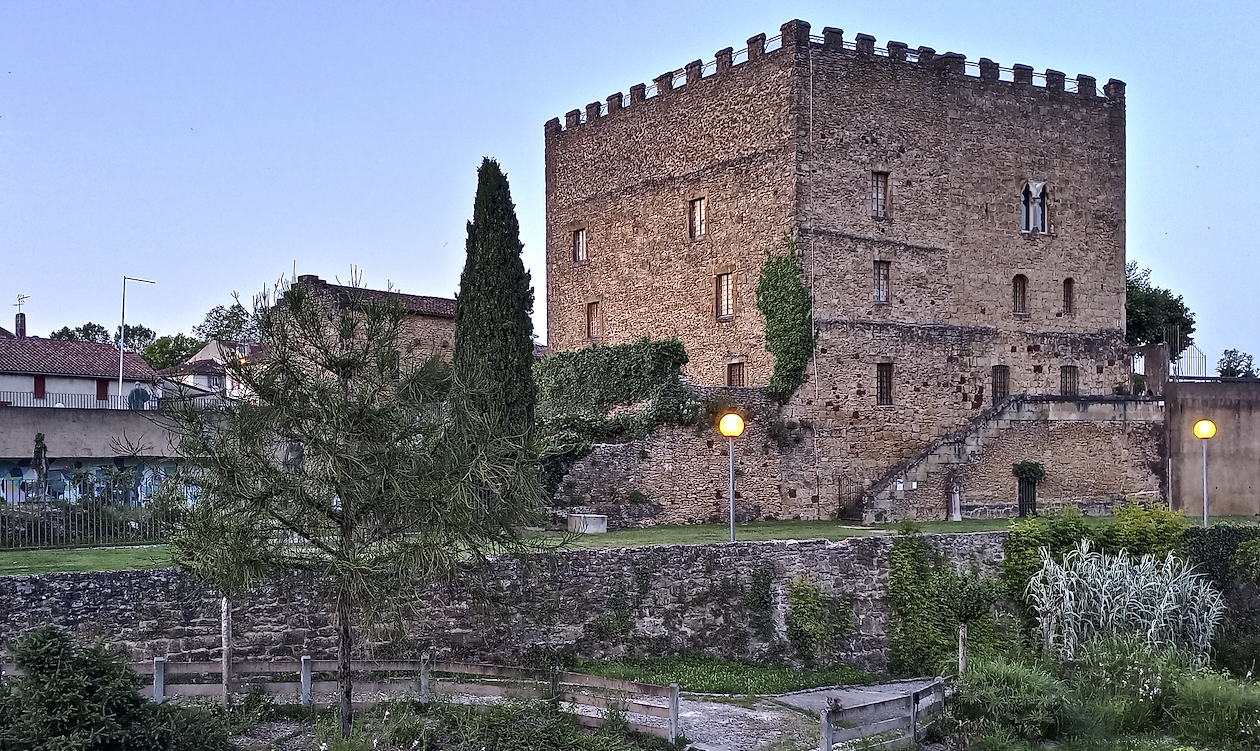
(731,426)
(1204,430)
(122,330)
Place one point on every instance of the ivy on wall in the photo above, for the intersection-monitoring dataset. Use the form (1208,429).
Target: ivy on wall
(814,620)
(784,300)
(1029,470)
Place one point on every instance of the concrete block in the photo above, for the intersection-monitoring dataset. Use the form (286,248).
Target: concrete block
(591,524)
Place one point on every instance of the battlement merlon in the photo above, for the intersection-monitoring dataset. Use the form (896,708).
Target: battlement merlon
(794,37)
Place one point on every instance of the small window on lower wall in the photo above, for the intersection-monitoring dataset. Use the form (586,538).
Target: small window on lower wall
(1069,380)
(735,374)
(40,387)
(884,383)
(1001,382)
(102,389)
(593,328)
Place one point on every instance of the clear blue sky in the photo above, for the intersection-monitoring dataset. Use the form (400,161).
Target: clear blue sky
(209,145)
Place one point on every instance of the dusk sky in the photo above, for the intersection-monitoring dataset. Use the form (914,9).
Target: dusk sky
(210,145)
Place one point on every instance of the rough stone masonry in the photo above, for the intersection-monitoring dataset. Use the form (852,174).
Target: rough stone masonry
(596,603)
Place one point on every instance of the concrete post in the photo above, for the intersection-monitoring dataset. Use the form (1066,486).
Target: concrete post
(306,680)
(962,648)
(159,679)
(825,743)
(424,678)
(226,668)
(673,712)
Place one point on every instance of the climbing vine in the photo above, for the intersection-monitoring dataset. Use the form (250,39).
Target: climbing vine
(1029,470)
(814,620)
(784,300)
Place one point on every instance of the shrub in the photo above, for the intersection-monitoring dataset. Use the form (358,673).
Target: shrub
(1024,700)
(72,696)
(1123,686)
(1246,560)
(814,620)
(1143,531)
(1211,707)
(1093,595)
(1212,548)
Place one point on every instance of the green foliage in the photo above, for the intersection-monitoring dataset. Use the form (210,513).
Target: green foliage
(1149,309)
(88,332)
(929,599)
(1246,562)
(787,305)
(1123,686)
(707,674)
(232,323)
(1213,708)
(1236,364)
(1090,596)
(1213,548)
(1029,471)
(1154,531)
(494,333)
(611,393)
(73,696)
(814,621)
(169,351)
(1025,701)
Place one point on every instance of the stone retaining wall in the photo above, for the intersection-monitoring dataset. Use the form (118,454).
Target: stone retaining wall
(598,603)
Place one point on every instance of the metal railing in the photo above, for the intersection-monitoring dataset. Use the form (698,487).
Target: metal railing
(71,401)
(61,524)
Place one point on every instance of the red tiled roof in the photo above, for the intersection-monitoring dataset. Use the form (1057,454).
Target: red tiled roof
(441,307)
(35,355)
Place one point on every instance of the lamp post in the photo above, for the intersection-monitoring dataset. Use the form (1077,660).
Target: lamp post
(731,426)
(122,330)
(1204,430)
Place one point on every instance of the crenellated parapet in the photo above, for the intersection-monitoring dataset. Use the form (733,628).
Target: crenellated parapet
(794,38)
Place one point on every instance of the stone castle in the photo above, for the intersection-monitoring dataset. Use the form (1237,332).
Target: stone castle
(961,227)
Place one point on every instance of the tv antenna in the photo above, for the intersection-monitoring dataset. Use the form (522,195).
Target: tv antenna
(20,300)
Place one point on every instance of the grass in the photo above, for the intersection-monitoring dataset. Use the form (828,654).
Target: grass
(82,559)
(713,675)
(682,534)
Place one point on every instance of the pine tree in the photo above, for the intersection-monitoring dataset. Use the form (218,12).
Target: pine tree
(494,334)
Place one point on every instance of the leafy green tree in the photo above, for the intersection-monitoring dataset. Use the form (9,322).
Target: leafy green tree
(1150,309)
(168,351)
(1236,364)
(344,470)
(88,332)
(138,337)
(233,322)
(494,334)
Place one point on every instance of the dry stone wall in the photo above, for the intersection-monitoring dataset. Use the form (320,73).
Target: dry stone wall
(599,603)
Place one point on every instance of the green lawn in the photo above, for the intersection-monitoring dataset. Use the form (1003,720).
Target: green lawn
(82,559)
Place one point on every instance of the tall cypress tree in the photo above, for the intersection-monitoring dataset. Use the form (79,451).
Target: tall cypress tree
(494,334)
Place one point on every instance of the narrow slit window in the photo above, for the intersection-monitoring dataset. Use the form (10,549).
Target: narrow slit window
(593,327)
(1033,207)
(698,219)
(735,374)
(1069,380)
(102,389)
(724,303)
(879,195)
(1019,294)
(1001,382)
(884,383)
(883,270)
(40,387)
(579,246)
(1069,296)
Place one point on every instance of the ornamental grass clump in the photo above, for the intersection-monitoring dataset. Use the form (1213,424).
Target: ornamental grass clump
(1089,596)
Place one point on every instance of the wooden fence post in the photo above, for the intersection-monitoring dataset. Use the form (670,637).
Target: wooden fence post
(827,718)
(306,680)
(226,628)
(914,716)
(673,712)
(159,679)
(424,678)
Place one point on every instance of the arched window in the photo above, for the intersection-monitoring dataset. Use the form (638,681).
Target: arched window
(1033,207)
(1019,294)
(1069,296)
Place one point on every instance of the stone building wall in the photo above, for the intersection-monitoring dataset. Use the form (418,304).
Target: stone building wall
(598,603)
(1233,468)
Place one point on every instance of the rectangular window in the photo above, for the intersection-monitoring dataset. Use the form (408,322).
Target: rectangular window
(1033,207)
(1019,294)
(725,302)
(882,272)
(1069,296)
(1069,380)
(735,374)
(697,219)
(879,195)
(884,382)
(102,389)
(579,246)
(593,328)
(1001,382)
(40,387)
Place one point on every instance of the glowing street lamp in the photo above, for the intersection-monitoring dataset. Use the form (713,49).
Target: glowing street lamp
(731,426)
(1205,430)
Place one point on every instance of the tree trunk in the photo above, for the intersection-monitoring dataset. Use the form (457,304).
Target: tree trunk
(343,663)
